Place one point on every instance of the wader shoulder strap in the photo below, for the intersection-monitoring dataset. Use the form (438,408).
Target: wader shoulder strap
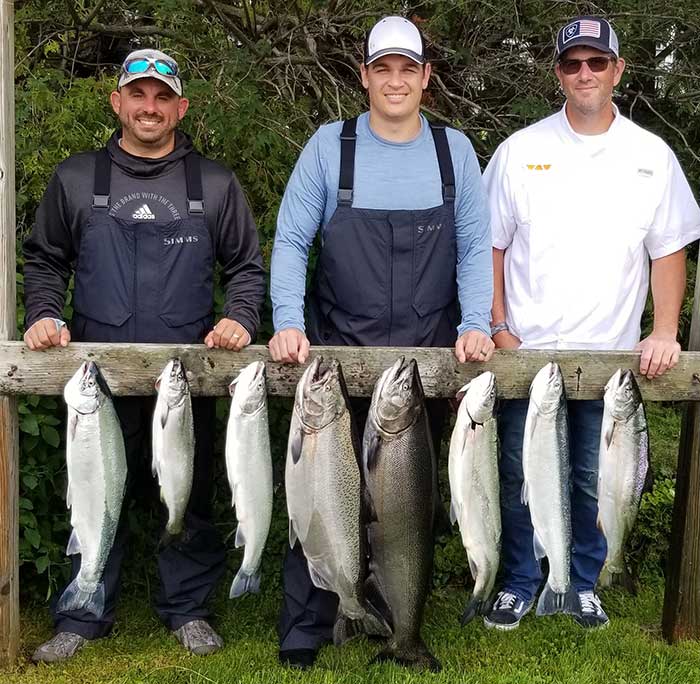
(348,139)
(442,149)
(193,175)
(103,171)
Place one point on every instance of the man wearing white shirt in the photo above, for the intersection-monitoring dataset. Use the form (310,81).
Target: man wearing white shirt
(580,203)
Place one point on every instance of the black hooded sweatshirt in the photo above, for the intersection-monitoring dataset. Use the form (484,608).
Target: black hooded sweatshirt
(142,189)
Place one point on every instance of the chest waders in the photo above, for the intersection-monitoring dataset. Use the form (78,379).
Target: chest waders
(385,277)
(144,280)
(151,281)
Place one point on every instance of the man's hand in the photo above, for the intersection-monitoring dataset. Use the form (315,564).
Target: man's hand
(289,346)
(660,351)
(506,340)
(47,332)
(473,345)
(228,334)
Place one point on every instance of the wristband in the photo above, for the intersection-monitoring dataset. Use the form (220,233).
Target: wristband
(499,327)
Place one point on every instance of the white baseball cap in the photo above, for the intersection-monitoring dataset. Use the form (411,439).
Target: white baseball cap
(394,36)
(150,64)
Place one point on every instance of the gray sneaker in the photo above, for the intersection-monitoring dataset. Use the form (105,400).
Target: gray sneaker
(62,646)
(591,614)
(199,638)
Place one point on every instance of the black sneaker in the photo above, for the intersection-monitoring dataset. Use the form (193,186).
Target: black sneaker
(507,611)
(591,614)
(298,658)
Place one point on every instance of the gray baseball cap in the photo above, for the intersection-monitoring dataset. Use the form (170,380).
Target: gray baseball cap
(150,64)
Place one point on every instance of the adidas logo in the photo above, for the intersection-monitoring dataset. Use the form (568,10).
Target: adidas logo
(143,212)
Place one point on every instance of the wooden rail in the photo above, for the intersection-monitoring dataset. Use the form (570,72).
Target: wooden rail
(131,369)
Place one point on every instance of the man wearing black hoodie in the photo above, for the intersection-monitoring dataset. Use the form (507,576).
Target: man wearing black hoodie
(140,224)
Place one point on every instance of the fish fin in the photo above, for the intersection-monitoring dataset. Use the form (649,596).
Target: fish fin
(475,606)
(74,598)
(608,434)
(369,513)
(648,485)
(244,584)
(600,525)
(292,534)
(171,536)
(73,547)
(318,579)
(608,578)
(415,656)
(538,546)
(345,629)
(524,494)
(550,602)
(72,426)
(461,393)
(240,537)
(296,443)
(371,455)
(376,600)
(164,415)
(473,568)
(232,389)
(454,512)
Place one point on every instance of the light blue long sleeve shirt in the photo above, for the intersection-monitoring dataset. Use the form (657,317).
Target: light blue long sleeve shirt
(388,175)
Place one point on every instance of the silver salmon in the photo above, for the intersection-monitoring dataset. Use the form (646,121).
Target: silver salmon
(623,468)
(173,445)
(474,486)
(546,487)
(96,464)
(249,469)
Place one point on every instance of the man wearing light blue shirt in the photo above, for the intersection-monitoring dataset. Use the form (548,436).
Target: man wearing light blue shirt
(405,255)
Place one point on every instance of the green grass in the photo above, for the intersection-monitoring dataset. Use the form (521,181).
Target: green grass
(543,650)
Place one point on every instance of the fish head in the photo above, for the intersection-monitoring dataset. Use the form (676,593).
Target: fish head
(547,388)
(248,391)
(622,395)
(86,390)
(322,396)
(172,383)
(480,397)
(400,397)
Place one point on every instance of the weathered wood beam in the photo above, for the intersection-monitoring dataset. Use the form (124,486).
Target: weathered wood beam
(133,368)
(681,615)
(9,436)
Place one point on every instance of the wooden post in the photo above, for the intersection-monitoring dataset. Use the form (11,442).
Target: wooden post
(681,617)
(9,435)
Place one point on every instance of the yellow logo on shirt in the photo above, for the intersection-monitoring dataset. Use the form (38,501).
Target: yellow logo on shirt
(539,167)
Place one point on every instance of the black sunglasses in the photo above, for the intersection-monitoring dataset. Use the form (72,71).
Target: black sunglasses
(595,64)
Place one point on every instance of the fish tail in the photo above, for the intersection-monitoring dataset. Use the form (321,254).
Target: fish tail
(551,602)
(345,629)
(75,598)
(617,578)
(245,584)
(416,656)
(475,606)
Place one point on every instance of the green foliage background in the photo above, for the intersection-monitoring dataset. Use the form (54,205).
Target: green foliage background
(261,76)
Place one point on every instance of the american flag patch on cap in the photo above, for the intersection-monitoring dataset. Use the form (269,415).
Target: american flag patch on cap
(582,27)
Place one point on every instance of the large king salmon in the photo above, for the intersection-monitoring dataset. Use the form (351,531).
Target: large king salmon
(324,490)
(400,469)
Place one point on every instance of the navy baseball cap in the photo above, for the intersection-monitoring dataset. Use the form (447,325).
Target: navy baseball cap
(590,31)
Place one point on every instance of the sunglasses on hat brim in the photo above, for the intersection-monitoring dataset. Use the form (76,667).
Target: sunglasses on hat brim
(596,64)
(141,65)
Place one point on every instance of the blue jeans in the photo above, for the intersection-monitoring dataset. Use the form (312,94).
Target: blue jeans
(521,571)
